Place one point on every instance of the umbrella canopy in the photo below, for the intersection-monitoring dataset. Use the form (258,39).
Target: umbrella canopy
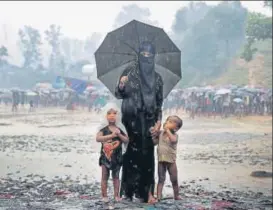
(15,89)
(43,86)
(193,89)
(67,89)
(240,92)
(216,97)
(120,49)
(30,93)
(238,100)
(45,91)
(90,88)
(223,91)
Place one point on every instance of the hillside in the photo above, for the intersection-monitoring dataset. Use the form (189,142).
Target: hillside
(256,72)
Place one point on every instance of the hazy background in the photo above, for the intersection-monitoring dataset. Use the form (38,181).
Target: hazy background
(211,35)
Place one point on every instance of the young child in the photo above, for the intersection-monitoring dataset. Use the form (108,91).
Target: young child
(166,151)
(111,138)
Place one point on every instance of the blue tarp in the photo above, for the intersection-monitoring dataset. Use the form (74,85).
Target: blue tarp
(59,83)
(76,84)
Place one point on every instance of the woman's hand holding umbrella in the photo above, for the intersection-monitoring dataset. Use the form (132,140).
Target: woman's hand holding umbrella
(122,82)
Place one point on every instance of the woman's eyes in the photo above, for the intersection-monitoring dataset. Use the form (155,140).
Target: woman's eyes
(146,54)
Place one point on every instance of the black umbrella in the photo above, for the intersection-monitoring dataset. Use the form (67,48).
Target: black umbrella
(120,48)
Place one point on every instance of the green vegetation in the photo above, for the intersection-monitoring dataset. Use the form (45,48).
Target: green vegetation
(238,71)
(219,45)
(224,46)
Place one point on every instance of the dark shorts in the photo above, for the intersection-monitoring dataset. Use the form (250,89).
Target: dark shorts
(114,172)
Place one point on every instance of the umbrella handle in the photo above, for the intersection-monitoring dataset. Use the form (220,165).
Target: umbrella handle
(125,76)
(129,74)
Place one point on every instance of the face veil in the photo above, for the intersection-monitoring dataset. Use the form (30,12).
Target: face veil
(146,61)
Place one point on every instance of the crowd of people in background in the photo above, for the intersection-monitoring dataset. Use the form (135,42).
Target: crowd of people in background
(224,102)
(195,101)
(67,98)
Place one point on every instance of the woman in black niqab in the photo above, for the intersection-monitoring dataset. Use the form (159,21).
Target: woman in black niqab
(146,60)
(142,94)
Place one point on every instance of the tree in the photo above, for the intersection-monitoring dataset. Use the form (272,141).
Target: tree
(186,17)
(248,51)
(66,48)
(90,46)
(92,42)
(259,27)
(131,12)
(30,39)
(53,35)
(73,50)
(229,22)
(3,52)
(180,25)
(268,4)
(210,43)
(3,55)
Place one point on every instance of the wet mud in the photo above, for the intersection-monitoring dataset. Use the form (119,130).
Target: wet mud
(49,160)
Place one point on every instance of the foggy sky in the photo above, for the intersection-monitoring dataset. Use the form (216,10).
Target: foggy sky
(80,19)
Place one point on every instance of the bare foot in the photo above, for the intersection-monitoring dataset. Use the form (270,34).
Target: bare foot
(177,198)
(152,200)
(118,199)
(105,199)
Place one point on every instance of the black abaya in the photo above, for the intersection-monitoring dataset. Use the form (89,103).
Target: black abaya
(138,160)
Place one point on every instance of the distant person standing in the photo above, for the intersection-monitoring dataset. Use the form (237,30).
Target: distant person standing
(22,98)
(226,106)
(15,101)
(31,106)
(194,105)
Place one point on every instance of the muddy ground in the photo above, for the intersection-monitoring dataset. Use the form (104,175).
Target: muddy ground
(49,160)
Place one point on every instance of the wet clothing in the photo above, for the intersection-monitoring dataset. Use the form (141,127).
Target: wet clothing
(114,172)
(166,150)
(138,117)
(163,167)
(147,75)
(111,152)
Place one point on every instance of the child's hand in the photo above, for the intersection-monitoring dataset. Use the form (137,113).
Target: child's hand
(166,129)
(114,135)
(117,131)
